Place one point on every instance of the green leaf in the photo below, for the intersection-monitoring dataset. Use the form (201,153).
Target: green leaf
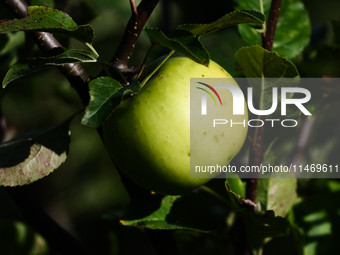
(259,224)
(55,57)
(230,19)
(106,94)
(256,62)
(236,184)
(277,194)
(34,155)
(185,39)
(183,42)
(293,28)
(191,211)
(45,19)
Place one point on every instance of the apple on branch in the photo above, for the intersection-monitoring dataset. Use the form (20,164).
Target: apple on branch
(148,135)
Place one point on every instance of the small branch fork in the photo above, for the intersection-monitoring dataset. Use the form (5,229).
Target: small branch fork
(255,154)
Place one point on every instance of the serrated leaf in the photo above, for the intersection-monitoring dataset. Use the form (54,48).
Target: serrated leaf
(256,62)
(34,155)
(277,194)
(293,28)
(45,19)
(55,57)
(230,19)
(105,95)
(183,42)
(191,211)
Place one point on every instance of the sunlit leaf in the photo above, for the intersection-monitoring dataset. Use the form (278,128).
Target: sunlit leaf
(189,212)
(106,94)
(45,19)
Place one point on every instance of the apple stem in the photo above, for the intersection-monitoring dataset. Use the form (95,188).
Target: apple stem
(156,69)
(255,153)
(145,60)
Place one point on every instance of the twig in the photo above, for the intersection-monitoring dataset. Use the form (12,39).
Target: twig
(255,155)
(272,21)
(132,31)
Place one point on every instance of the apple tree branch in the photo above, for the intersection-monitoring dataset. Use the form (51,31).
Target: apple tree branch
(255,154)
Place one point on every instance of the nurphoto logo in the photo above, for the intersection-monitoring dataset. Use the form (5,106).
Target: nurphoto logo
(238,106)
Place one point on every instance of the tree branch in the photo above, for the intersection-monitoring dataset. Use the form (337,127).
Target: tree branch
(271,27)
(255,154)
(133,29)
(45,41)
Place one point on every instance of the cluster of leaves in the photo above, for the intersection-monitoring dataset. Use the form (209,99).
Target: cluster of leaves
(106,93)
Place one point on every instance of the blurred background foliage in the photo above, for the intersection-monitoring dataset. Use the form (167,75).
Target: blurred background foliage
(85,194)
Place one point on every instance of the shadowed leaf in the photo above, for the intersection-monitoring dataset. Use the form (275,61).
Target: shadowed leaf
(55,57)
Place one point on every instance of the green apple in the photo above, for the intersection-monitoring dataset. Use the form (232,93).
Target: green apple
(148,135)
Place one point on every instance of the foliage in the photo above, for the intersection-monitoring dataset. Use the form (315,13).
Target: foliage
(290,216)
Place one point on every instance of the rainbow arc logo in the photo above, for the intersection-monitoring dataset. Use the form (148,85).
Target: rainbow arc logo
(208,92)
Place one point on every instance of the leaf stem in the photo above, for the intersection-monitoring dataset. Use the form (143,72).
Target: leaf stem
(145,60)
(261,6)
(92,48)
(156,69)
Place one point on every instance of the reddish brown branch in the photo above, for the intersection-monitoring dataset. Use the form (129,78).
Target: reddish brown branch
(132,31)
(271,26)
(255,155)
